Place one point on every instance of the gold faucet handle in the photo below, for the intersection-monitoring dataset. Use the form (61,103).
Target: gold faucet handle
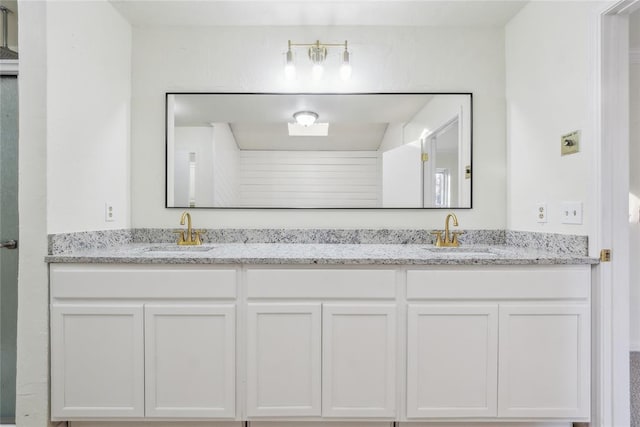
(438,235)
(197,236)
(454,239)
(181,238)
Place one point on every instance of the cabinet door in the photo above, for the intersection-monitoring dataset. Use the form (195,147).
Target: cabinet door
(97,358)
(452,361)
(190,361)
(283,360)
(544,361)
(359,360)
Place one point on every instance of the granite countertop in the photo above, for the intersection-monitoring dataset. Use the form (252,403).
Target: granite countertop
(317,253)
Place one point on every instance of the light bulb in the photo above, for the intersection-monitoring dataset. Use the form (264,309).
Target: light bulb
(289,66)
(290,71)
(345,68)
(345,71)
(316,71)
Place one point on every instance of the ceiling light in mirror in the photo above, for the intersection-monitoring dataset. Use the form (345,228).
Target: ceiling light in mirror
(305,118)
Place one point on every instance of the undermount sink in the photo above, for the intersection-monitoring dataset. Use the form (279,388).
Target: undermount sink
(460,251)
(179,249)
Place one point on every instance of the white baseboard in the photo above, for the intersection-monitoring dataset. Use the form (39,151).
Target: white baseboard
(634,345)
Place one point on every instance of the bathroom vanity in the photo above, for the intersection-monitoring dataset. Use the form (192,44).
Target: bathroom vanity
(277,332)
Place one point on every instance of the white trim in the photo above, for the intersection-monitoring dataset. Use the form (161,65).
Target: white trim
(634,346)
(627,7)
(634,56)
(609,66)
(621,7)
(9,67)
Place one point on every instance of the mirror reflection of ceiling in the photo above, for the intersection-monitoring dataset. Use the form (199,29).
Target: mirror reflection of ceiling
(474,13)
(259,122)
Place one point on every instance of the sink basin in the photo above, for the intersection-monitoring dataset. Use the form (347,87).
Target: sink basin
(460,251)
(179,249)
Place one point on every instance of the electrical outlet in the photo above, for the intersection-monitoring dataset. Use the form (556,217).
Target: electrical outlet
(541,212)
(108,212)
(571,213)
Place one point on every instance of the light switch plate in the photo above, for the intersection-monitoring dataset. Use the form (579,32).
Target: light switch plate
(570,143)
(571,213)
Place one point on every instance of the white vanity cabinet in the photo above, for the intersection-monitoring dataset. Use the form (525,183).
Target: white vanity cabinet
(544,360)
(133,342)
(515,344)
(330,354)
(359,350)
(97,360)
(190,360)
(283,359)
(462,343)
(452,360)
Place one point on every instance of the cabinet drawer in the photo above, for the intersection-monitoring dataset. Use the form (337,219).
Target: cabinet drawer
(321,283)
(123,281)
(548,282)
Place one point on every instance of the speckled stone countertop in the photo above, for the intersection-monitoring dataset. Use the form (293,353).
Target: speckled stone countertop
(318,253)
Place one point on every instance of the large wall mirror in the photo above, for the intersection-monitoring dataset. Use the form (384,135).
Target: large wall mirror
(384,150)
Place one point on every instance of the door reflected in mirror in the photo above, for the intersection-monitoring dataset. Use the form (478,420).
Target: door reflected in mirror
(386,150)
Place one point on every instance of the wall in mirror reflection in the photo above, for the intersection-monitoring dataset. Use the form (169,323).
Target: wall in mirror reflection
(382,151)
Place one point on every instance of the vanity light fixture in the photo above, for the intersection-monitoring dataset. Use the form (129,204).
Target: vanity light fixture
(305,118)
(317,54)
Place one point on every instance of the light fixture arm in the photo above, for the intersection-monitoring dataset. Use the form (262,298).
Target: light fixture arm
(318,44)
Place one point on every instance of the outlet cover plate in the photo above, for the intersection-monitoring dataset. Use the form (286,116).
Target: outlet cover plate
(570,143)
(108,212)
(541,212)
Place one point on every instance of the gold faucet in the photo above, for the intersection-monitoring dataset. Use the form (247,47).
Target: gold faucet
(450,239)
(188,236)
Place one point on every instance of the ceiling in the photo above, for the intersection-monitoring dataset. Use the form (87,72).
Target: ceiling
(142,13)
(259,122)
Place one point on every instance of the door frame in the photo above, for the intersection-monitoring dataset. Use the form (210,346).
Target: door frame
(609,125)
(9,67)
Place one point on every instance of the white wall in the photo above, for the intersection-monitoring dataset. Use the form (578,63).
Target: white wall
(384,59)
(226,166)
(198,140)
(392,137)
(547,89)
(32,384)
(433,117)
(88,104)
(634,180)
